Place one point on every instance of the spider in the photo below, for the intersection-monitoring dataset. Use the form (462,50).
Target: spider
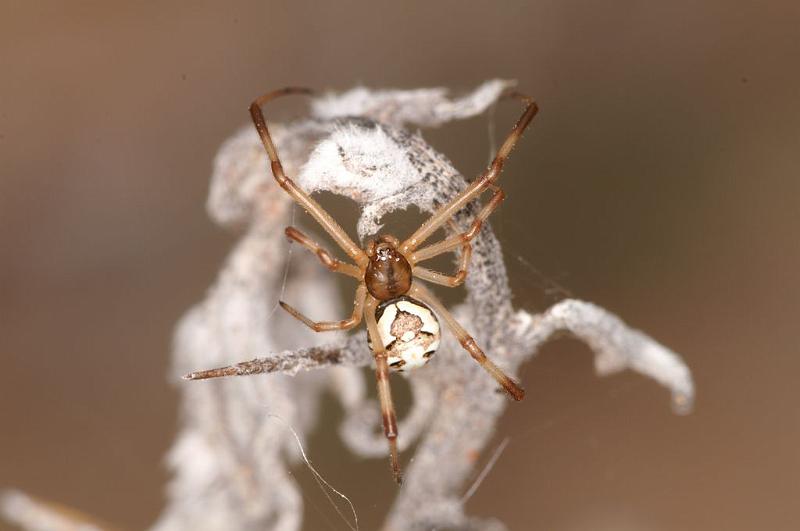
(400,313)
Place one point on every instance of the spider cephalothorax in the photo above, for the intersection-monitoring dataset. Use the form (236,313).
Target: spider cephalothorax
(399,311)
(388,272)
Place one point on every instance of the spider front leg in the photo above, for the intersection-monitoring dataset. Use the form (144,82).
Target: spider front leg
(509,385)
(459,240)
(384,389)
(324,256)
(300,197)
(326,326)
(483,182)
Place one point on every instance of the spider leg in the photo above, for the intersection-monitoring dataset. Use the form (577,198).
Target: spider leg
(302,198)
(326,326)
(384,389)
(484,181)
(439,278)
(324,256)
(449,244)
(510,386)
(459,240)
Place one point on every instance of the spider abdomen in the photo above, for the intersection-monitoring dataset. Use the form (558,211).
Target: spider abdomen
(409,331)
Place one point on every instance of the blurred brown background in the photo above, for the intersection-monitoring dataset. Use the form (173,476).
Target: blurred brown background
(659,180)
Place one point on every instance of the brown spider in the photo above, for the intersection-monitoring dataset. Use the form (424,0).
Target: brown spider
(403,332)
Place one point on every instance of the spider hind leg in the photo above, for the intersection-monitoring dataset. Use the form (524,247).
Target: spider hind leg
(468,343)
(384,389)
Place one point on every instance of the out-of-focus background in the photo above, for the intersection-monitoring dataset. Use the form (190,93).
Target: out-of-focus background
(659,181)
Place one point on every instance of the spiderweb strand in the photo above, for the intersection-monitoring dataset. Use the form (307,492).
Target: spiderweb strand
(285,274)
(321,481)
(486,469)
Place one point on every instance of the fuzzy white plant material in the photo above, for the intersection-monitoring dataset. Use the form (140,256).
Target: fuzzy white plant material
(231,460)
(37,515)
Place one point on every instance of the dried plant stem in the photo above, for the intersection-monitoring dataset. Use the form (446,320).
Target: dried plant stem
(234,464)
